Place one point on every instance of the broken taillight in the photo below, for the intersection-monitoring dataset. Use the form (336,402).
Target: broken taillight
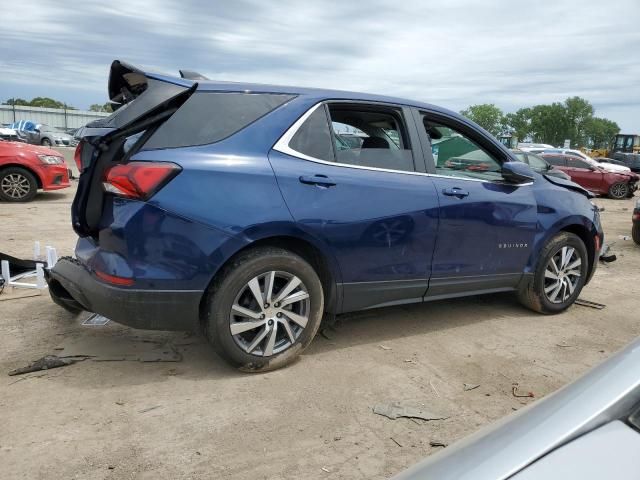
(139,180)
(77,156)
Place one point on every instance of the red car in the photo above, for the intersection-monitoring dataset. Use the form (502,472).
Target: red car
(593,177)
(25,168)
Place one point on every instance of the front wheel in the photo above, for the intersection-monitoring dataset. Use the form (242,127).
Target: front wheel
(45,142)
(618,191)
(560,274)
(264,309)
(17,185)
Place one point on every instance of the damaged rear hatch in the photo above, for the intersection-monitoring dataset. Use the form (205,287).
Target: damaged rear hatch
(142,102)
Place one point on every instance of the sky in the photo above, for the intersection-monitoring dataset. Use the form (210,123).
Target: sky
(452,53)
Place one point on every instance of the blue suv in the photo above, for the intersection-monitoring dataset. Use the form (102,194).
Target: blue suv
(239,209)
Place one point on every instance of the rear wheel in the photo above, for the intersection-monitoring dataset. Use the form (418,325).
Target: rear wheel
(17,185)
(559,277)
(619,191)
(264,309)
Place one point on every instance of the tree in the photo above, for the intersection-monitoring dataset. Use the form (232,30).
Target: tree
(44,102)
(600,132)
(549,123)
(519,122)
(17,102)
(579,113)
(96,107)
(487,115)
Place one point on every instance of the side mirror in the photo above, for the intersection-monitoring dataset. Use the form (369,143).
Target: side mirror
(517,172)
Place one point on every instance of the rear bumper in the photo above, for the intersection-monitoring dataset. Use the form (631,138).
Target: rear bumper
(72,286)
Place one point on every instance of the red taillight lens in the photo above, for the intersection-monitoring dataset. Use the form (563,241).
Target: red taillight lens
(112,279)
(139,180)
(78,156)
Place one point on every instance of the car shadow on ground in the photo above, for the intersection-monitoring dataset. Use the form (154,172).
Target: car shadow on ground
(150,356)
(53,196)
(381,325)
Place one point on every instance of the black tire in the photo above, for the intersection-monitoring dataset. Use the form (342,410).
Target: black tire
(619,191)
(635,232)
(17,185)
(532,294)
(232,284)
(45,142)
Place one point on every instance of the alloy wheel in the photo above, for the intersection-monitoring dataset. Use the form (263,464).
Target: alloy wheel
(619,190)
(562,274)
(15,185)
(269,313)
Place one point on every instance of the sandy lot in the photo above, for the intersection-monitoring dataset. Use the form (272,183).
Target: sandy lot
(198,418)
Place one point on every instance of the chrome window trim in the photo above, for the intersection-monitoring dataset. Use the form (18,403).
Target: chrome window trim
(282,146)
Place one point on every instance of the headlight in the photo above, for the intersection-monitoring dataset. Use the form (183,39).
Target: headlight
(51,159)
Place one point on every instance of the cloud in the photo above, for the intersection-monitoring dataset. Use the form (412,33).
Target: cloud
(454,53)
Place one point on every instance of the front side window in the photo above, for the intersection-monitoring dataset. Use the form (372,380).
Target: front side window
(371,136)
(456,155)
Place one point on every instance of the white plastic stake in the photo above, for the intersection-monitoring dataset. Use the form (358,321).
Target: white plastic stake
(36,250)
(5,272)
(52,257)
(40,282)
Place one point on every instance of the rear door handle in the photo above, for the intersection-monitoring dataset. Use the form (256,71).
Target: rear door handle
(320,180)
(455,192)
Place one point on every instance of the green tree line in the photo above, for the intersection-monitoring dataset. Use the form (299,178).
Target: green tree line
(46,102)
(573,119)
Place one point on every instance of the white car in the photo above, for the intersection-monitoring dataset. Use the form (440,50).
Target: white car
(527,147)
(609,167)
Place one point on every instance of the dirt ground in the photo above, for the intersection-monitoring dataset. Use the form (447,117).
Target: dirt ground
(197,418)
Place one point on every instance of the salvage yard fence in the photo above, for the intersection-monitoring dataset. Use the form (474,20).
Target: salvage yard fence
(55,117)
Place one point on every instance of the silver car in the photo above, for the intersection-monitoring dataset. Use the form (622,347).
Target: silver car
(47,136)
(589,429)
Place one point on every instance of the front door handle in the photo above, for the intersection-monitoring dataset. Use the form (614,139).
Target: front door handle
(455,192)
(320,180)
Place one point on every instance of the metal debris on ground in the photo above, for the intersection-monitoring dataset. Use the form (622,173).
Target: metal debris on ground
(47,362)
(514,391)
(606,255)
(384,347)
(470,386)
(145,410)
(564,345)
(96,320)
(396,442)
(397,409)
(624,237)
(590,304)
(437,444)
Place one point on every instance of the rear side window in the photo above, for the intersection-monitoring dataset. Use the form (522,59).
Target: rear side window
(313,137)
(208,117)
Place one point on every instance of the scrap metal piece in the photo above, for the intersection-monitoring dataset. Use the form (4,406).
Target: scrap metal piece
(590,304)
(96,320)
(397,409)
(45,363)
